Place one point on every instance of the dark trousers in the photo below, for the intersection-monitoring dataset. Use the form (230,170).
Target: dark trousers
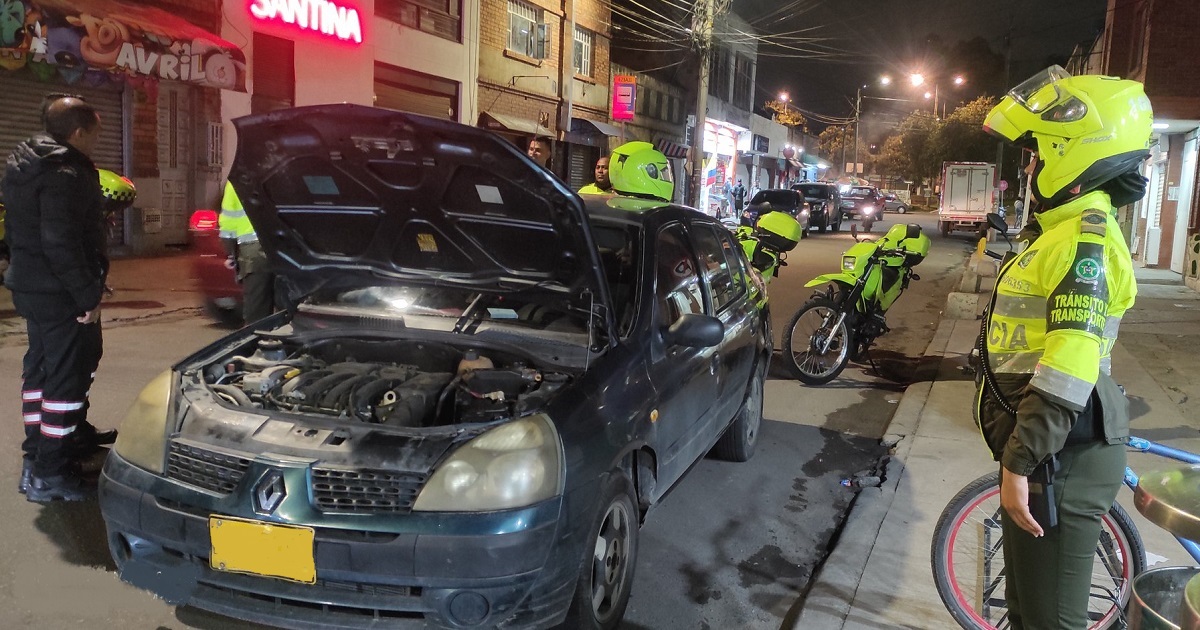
(58,371)
(1049,577)
(258,295)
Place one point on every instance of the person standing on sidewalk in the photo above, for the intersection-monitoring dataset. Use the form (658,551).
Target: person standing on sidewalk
(602,185)
(1048,409)
(57,275)
(246,257)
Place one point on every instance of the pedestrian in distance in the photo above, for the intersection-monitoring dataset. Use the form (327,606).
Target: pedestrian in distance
(57,274)
(539,151)
(602,185)
(739,198)
(246,257)
(1049,410)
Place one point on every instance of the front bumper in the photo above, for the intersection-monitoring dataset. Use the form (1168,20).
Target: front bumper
(448,572)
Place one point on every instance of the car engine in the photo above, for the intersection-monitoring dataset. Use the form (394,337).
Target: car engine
(392,383)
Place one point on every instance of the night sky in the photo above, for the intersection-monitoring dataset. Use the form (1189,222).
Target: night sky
(867,38)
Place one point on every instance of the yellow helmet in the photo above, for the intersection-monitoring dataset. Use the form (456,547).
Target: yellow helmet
(639,170)
(1086,130)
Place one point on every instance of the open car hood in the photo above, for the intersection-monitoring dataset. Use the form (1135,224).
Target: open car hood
(349,194)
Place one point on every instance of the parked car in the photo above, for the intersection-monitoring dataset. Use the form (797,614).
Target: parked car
(892,203)
(483,384)
(216,282)
(777,200)
(824,202)
(863,202)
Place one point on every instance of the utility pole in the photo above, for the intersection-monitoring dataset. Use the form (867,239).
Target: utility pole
(845,131)
(702,26)
(1000,144)
(857,110)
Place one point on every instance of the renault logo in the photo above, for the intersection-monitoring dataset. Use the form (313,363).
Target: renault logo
(269,493)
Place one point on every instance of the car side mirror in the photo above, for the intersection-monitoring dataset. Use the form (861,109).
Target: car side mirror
(695,330)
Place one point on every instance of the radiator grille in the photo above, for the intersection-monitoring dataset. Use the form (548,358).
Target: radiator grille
(203,468)
(365,491)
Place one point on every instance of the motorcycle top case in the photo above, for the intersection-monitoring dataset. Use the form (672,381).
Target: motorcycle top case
(911,239)
(779,231)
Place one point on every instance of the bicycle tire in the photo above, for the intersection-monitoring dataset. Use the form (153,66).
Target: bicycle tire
(1120,543)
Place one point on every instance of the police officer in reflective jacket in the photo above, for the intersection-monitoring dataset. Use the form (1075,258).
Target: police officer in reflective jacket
(246,257)
(1047,407)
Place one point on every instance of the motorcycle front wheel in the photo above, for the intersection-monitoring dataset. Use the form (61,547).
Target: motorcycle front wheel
(812,327)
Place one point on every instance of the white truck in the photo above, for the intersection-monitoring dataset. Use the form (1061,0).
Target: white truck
(968,195)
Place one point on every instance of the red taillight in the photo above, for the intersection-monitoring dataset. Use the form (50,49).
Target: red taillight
(203,220)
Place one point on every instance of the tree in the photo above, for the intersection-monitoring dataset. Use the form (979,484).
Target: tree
(830,143)
(785,115)
(961,137)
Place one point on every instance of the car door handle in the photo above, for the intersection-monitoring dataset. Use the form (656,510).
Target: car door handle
(714,363)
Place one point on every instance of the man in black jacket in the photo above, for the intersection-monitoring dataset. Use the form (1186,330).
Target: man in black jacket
(57,273)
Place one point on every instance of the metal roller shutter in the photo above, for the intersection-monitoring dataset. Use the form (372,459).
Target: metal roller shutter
(21,108)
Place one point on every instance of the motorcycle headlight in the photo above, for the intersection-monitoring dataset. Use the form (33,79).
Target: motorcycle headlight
(868,209)
(142,439)
(847,263)
(513,465)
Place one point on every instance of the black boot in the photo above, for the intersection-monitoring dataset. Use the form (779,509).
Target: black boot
(68,486)
(26,474)
(88,439)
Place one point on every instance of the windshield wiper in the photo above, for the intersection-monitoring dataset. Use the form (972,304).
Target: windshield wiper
(469,313)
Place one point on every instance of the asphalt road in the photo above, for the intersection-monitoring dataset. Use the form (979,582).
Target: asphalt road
(734,545)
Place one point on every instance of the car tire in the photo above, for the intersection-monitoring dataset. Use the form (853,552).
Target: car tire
(224,316)
(902,209)
(606,573)
(944,226)
(738,442)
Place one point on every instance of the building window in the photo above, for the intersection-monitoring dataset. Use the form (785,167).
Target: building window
(274,74)
(442,18)
(718,73)
(527,35)
(743,82)
(583,51)
(410,91)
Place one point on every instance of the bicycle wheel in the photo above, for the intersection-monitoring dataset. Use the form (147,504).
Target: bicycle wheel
(968,560)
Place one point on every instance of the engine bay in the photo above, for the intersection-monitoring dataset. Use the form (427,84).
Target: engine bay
(396,383)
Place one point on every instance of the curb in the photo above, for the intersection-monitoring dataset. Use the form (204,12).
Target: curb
(831,598)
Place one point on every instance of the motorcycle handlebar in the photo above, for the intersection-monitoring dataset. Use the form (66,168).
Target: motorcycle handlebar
(993,254)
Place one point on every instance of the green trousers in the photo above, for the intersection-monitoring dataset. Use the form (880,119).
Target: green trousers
(1048,578)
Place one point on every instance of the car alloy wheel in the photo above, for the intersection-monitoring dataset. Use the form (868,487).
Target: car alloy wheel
(606,579)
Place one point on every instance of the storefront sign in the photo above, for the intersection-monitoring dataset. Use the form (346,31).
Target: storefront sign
(319,16)
(624,93)
(99,41)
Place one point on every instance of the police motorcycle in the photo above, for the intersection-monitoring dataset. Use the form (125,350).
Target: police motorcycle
(768,241)
(839,324)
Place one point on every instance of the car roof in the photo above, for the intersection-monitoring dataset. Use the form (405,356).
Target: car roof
(618,209)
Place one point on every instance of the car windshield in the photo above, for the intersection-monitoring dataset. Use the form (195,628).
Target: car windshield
(785,198)
(814,191)
(859,192)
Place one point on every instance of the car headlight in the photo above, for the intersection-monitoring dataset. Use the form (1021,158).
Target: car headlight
(513,465)
(141,440)
(847,263)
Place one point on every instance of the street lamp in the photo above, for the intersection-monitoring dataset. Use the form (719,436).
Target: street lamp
(917,79)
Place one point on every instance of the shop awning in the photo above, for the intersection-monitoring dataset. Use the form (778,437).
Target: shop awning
(100,40)
(809,159)
(671,149)
(586,125)
(510,124)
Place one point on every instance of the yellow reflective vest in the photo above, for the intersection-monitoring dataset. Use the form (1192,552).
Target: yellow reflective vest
(593,189)
(233,223)
(1050,331)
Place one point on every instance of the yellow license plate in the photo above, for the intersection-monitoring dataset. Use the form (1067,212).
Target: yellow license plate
(259,548)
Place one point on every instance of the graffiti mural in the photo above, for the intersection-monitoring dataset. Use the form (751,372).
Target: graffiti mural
(97,41)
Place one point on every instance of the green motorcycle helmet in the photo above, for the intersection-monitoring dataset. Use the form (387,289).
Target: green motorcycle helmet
(1086,130)
(637,169)
(118,191)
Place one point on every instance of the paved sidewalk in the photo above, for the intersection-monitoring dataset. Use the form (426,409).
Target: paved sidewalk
(878,575)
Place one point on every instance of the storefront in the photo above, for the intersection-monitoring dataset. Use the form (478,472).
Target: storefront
(152,75)
(720,166)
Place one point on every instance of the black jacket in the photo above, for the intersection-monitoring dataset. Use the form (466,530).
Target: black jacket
(54,225)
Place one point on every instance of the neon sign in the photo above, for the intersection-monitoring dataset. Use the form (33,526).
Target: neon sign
(318,16)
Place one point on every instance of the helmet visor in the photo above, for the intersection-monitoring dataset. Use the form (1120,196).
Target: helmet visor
(660,171)
(1040,92)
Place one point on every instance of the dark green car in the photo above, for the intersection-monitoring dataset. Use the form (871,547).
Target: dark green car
(480,387)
